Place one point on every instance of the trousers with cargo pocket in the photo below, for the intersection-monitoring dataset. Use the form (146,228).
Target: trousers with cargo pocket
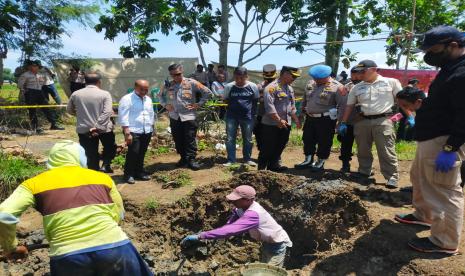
(381,132)
(437,196)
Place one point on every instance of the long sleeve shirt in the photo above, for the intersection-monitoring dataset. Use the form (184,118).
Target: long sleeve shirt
(81,209)
(29,80)
(180,95)
(236,225)
(136,113)
(93,109)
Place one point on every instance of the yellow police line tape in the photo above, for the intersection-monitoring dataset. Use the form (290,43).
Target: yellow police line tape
(64,105)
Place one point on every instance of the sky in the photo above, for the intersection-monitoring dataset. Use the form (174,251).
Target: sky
(92,44)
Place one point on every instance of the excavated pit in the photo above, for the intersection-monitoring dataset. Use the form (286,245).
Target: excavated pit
(316,215)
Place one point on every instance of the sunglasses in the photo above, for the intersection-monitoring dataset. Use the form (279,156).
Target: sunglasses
(176,75)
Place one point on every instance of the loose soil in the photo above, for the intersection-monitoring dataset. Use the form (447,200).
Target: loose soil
(338,226)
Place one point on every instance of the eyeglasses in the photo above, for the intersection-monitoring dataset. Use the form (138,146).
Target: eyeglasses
(176,75)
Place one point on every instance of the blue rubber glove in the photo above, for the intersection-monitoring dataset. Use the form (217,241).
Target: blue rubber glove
(411,120)
(190,238)
(445,161)
(342,129)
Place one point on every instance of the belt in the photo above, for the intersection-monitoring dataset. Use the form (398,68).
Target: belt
(372,117)
(33,90)
(318,115)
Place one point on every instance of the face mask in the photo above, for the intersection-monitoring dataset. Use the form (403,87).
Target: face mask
(437,59)
(356,81)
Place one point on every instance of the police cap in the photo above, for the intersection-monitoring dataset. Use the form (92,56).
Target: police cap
(269,71)
(295,72)
(363,65)
(440,35)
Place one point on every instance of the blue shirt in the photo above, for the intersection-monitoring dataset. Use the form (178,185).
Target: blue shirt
(136,113)
(242,101)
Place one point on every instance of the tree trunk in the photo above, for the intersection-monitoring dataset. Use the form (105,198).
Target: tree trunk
(199,46)
(399,57)
(244,35)
(224,34)
(1,72)
(341,32)
(331,34)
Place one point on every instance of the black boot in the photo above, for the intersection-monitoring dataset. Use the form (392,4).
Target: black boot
(55,126)
(193,165)
(182,162)
(318,166)
(305,164)
(345,167)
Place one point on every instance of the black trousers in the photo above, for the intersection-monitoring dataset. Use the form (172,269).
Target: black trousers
(184,136)
(90,145)
(273,144)
(347,142)
(257,131)
(134,165)
(403,132)
(38,97)
(74,86)
(318,131)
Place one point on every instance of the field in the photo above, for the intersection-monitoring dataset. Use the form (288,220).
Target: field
(339,226)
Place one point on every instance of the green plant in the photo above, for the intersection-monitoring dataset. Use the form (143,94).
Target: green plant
(162,150)
(183,179)
(183,203)
(14,170)
(406,150)
(202,145)
(118,161)
(151,204)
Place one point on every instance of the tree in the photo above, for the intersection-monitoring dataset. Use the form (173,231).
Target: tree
(342,18)
(397,16)
(35,27)
(198,21)
(8,74)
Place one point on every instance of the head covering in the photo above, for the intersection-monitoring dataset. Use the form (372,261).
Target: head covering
(441,34)
(243,191)
(320,71)
(413,80)
(269,71)
(240,71)
(36,63)
(363,65)
(293,70)
(66,153)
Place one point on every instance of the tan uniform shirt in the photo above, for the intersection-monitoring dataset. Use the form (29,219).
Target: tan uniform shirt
(28,80)
(201,77)
(375,98)
(319,99)
(278,99)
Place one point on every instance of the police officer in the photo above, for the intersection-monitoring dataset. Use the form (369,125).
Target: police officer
(347,141)
(321,97)
(279,102)
(375,96)
(269,75)
(180,101)
(30,84)
(440,132)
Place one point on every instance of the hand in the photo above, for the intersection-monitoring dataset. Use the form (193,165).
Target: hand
(19,253)
(189,238)
(169,107)
(192,106)
(93,132)
(282,123)
(445,161)
(128,138)
(342,129)
(411,120)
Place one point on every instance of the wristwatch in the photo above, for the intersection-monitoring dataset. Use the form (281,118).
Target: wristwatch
(448,148)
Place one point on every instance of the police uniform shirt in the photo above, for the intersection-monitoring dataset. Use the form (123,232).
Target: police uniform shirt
(29,80)
(375,98)
(278,99)
(319,99)
(261,104)
(179,95)
(47,76)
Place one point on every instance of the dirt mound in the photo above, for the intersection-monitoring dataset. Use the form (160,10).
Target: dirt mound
(315,214)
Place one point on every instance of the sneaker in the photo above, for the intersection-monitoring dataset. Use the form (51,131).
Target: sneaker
(410,219)
(142,177)
(392,183)
(251,163)
(106,168)
(228,164)
(279,169)
(426,246)
(193,165)
(57,127)
(129,179)
(181,163)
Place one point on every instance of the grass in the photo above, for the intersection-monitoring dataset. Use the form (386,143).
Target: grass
(9,93)
(151,204)
(118,161)
(174,179)
(14,170)
(406,150)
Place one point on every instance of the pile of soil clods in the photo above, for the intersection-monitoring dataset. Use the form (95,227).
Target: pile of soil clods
(315,215)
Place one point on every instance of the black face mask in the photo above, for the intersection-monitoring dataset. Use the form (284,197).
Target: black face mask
(437,59)
(356,81)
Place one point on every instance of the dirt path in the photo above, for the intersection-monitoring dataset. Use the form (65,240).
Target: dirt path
(381,250)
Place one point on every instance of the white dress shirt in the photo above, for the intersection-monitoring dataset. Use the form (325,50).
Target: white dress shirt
(136,113)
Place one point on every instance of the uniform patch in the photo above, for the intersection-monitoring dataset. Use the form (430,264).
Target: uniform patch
(271,90)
